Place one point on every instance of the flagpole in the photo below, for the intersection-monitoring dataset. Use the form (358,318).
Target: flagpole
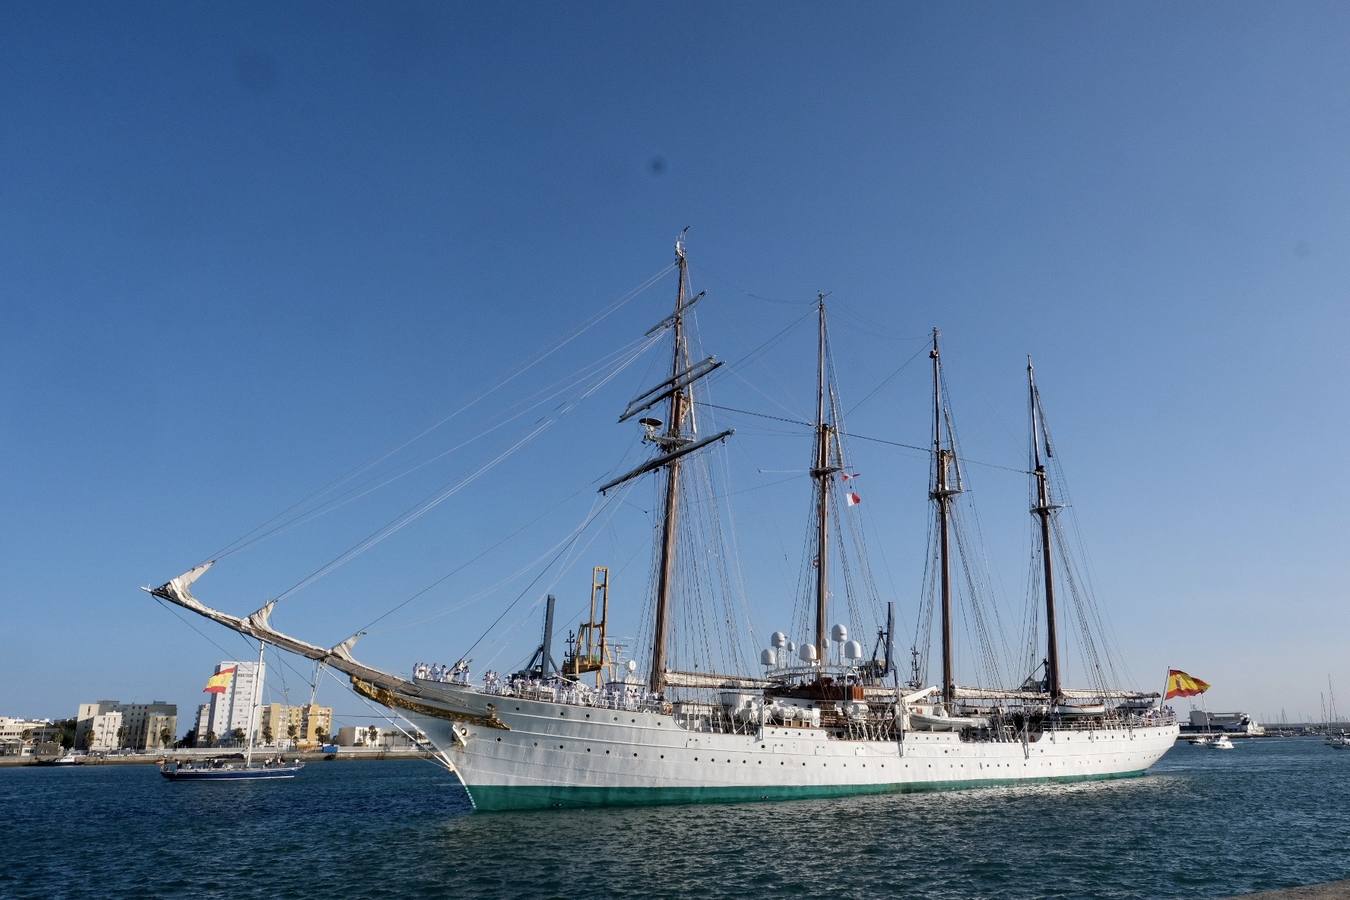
(1167,679)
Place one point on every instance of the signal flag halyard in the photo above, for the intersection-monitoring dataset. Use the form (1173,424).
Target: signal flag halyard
(1179,684)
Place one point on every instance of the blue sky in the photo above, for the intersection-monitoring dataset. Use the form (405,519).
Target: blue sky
(245,250)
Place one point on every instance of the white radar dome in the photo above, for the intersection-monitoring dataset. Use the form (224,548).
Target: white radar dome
(838,633)
(853,650)
(807,653)
(632,665)
(766,658)
(778,639)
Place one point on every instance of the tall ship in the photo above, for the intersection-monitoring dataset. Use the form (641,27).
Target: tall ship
(822,715)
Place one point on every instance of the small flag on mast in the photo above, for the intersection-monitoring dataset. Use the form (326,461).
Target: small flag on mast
(219,683)
(1179,684)
(849,476)
(852,499)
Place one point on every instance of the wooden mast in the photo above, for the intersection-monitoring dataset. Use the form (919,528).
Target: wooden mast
(1042,511)
(823,474)
(942,494)
(671,440)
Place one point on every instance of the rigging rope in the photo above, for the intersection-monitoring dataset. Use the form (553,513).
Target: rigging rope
(422,508)
(248,537)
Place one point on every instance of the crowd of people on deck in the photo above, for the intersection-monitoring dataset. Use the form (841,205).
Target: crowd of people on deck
(456,674)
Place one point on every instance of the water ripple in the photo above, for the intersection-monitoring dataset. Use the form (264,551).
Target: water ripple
(1274,813)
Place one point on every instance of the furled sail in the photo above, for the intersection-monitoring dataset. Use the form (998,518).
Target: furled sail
(257,626)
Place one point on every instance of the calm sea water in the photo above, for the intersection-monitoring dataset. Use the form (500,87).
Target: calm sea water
(1271,813)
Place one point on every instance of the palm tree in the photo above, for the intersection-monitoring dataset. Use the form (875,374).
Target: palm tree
(165,737)
(372,735)
(291,731)
(267,732)
(238,735)
(210,739)
(321,735)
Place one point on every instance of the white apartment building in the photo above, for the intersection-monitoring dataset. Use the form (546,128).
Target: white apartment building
(382,739)
(233,707)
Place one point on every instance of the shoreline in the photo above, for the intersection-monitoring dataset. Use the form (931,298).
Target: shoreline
(152,759)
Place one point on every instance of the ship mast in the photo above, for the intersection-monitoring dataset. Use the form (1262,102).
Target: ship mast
(823,473)
(671,440)
(674,444)
(253,711)
(942,495)
(1042,511)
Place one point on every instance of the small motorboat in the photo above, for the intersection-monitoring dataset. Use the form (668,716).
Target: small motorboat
(1221,742)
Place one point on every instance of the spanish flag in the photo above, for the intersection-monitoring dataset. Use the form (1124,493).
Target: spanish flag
(219,683)
(1179,684)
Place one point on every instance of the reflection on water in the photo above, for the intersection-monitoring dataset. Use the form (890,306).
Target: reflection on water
(1205,823)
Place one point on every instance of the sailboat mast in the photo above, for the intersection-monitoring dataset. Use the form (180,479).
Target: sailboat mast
(1042,511)
(253,715)
(942,496)
(679,401)
(822,473)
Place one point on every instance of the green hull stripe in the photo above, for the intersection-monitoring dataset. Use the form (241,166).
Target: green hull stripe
(490,797)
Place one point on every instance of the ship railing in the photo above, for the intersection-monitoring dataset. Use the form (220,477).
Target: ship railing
(569,693)
(1108,722)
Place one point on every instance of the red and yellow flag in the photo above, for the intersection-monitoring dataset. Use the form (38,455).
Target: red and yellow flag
(219,683)
(1179,684)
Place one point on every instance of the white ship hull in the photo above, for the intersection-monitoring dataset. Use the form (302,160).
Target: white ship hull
(534,754)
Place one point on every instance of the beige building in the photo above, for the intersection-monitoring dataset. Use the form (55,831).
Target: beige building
(17,736)
(98,726)
(110,725)
(308,721)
